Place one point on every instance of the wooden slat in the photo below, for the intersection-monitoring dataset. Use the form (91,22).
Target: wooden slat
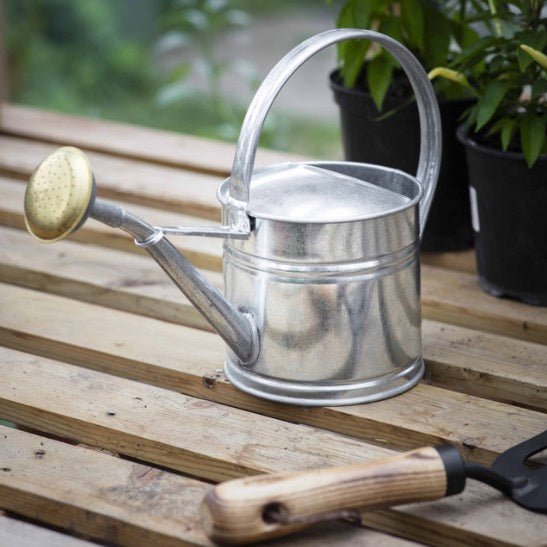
(463,261)
(190,360)
(16,533)
(151,145)
(477,363)
(124,179)
(127,282)
(486,365)
(455,297)
(202,251)
(214,441)
(117,500)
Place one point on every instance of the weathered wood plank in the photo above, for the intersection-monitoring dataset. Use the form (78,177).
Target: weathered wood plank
(17,533)
(464,261)
(211,440)
(203,251)
(120,501)
(127,282)
(151,145)
(481,364)
(455,297)
(124,179)
(486,365)
(190,361)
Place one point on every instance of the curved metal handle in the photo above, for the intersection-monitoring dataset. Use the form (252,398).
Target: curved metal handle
(430,123)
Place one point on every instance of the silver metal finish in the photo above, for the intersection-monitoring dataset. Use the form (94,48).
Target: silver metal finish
(207,231)
(321,264)
(430,124)
(336,304)
(330,272)
(234,325)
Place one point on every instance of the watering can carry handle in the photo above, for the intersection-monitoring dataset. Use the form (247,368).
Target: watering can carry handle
(430,124)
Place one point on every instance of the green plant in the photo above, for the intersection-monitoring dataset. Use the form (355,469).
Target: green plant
(197,24)
(433,30)
(507,72)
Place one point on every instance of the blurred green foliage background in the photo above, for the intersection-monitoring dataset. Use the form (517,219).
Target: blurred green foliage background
(99,58)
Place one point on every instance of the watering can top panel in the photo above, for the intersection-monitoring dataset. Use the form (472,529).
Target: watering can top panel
(302,193)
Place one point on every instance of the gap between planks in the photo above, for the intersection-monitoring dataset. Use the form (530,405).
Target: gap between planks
(477,363)
(217,442)
(190,360)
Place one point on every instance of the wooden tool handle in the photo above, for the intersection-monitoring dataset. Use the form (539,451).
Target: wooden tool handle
(244,510)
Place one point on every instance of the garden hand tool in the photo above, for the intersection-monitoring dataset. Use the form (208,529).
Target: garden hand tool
(259,507)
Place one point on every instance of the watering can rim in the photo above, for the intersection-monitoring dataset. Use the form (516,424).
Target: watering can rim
(223,191)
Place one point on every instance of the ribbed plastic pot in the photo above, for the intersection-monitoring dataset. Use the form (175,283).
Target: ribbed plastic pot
(509,204)
(394,141)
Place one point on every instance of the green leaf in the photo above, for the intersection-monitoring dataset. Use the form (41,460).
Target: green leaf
(539,57)
(532,137)
(379,77)
(412,16)
(534,39)
(361,13)
(436,36)
(345,20)
(489,101)
(507,132)
(354,58)
(391,26)
(474,52)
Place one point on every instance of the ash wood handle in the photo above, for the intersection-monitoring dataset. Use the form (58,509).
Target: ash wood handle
(240,511)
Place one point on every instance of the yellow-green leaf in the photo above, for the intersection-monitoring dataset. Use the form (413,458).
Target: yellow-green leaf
(539,57)
(449,74)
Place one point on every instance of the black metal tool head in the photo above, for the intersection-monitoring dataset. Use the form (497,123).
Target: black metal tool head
(528,477)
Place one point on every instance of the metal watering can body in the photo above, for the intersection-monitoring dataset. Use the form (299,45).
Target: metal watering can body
(321,263)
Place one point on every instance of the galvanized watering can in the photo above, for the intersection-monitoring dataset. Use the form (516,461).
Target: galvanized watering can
(321,263)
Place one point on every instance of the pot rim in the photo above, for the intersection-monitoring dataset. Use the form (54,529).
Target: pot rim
(223,193)
(467,140)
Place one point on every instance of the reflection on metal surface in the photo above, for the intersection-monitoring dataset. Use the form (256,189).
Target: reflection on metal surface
(321,268)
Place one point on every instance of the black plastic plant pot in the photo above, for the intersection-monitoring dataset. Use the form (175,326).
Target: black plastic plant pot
(509,210)
(393,140)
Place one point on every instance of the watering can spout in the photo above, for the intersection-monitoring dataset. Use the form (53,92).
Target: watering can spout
(60,196)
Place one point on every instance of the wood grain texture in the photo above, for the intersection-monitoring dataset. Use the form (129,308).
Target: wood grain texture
(190,360)
(463,261)
(129,180)
(17,533)
(455,297)
(236,512)
(466,360)
(117,501)
(203,252)
(150,145)
(94,274)
(215,441)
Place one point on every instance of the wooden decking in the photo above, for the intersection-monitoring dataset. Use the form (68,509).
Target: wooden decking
(115,382)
